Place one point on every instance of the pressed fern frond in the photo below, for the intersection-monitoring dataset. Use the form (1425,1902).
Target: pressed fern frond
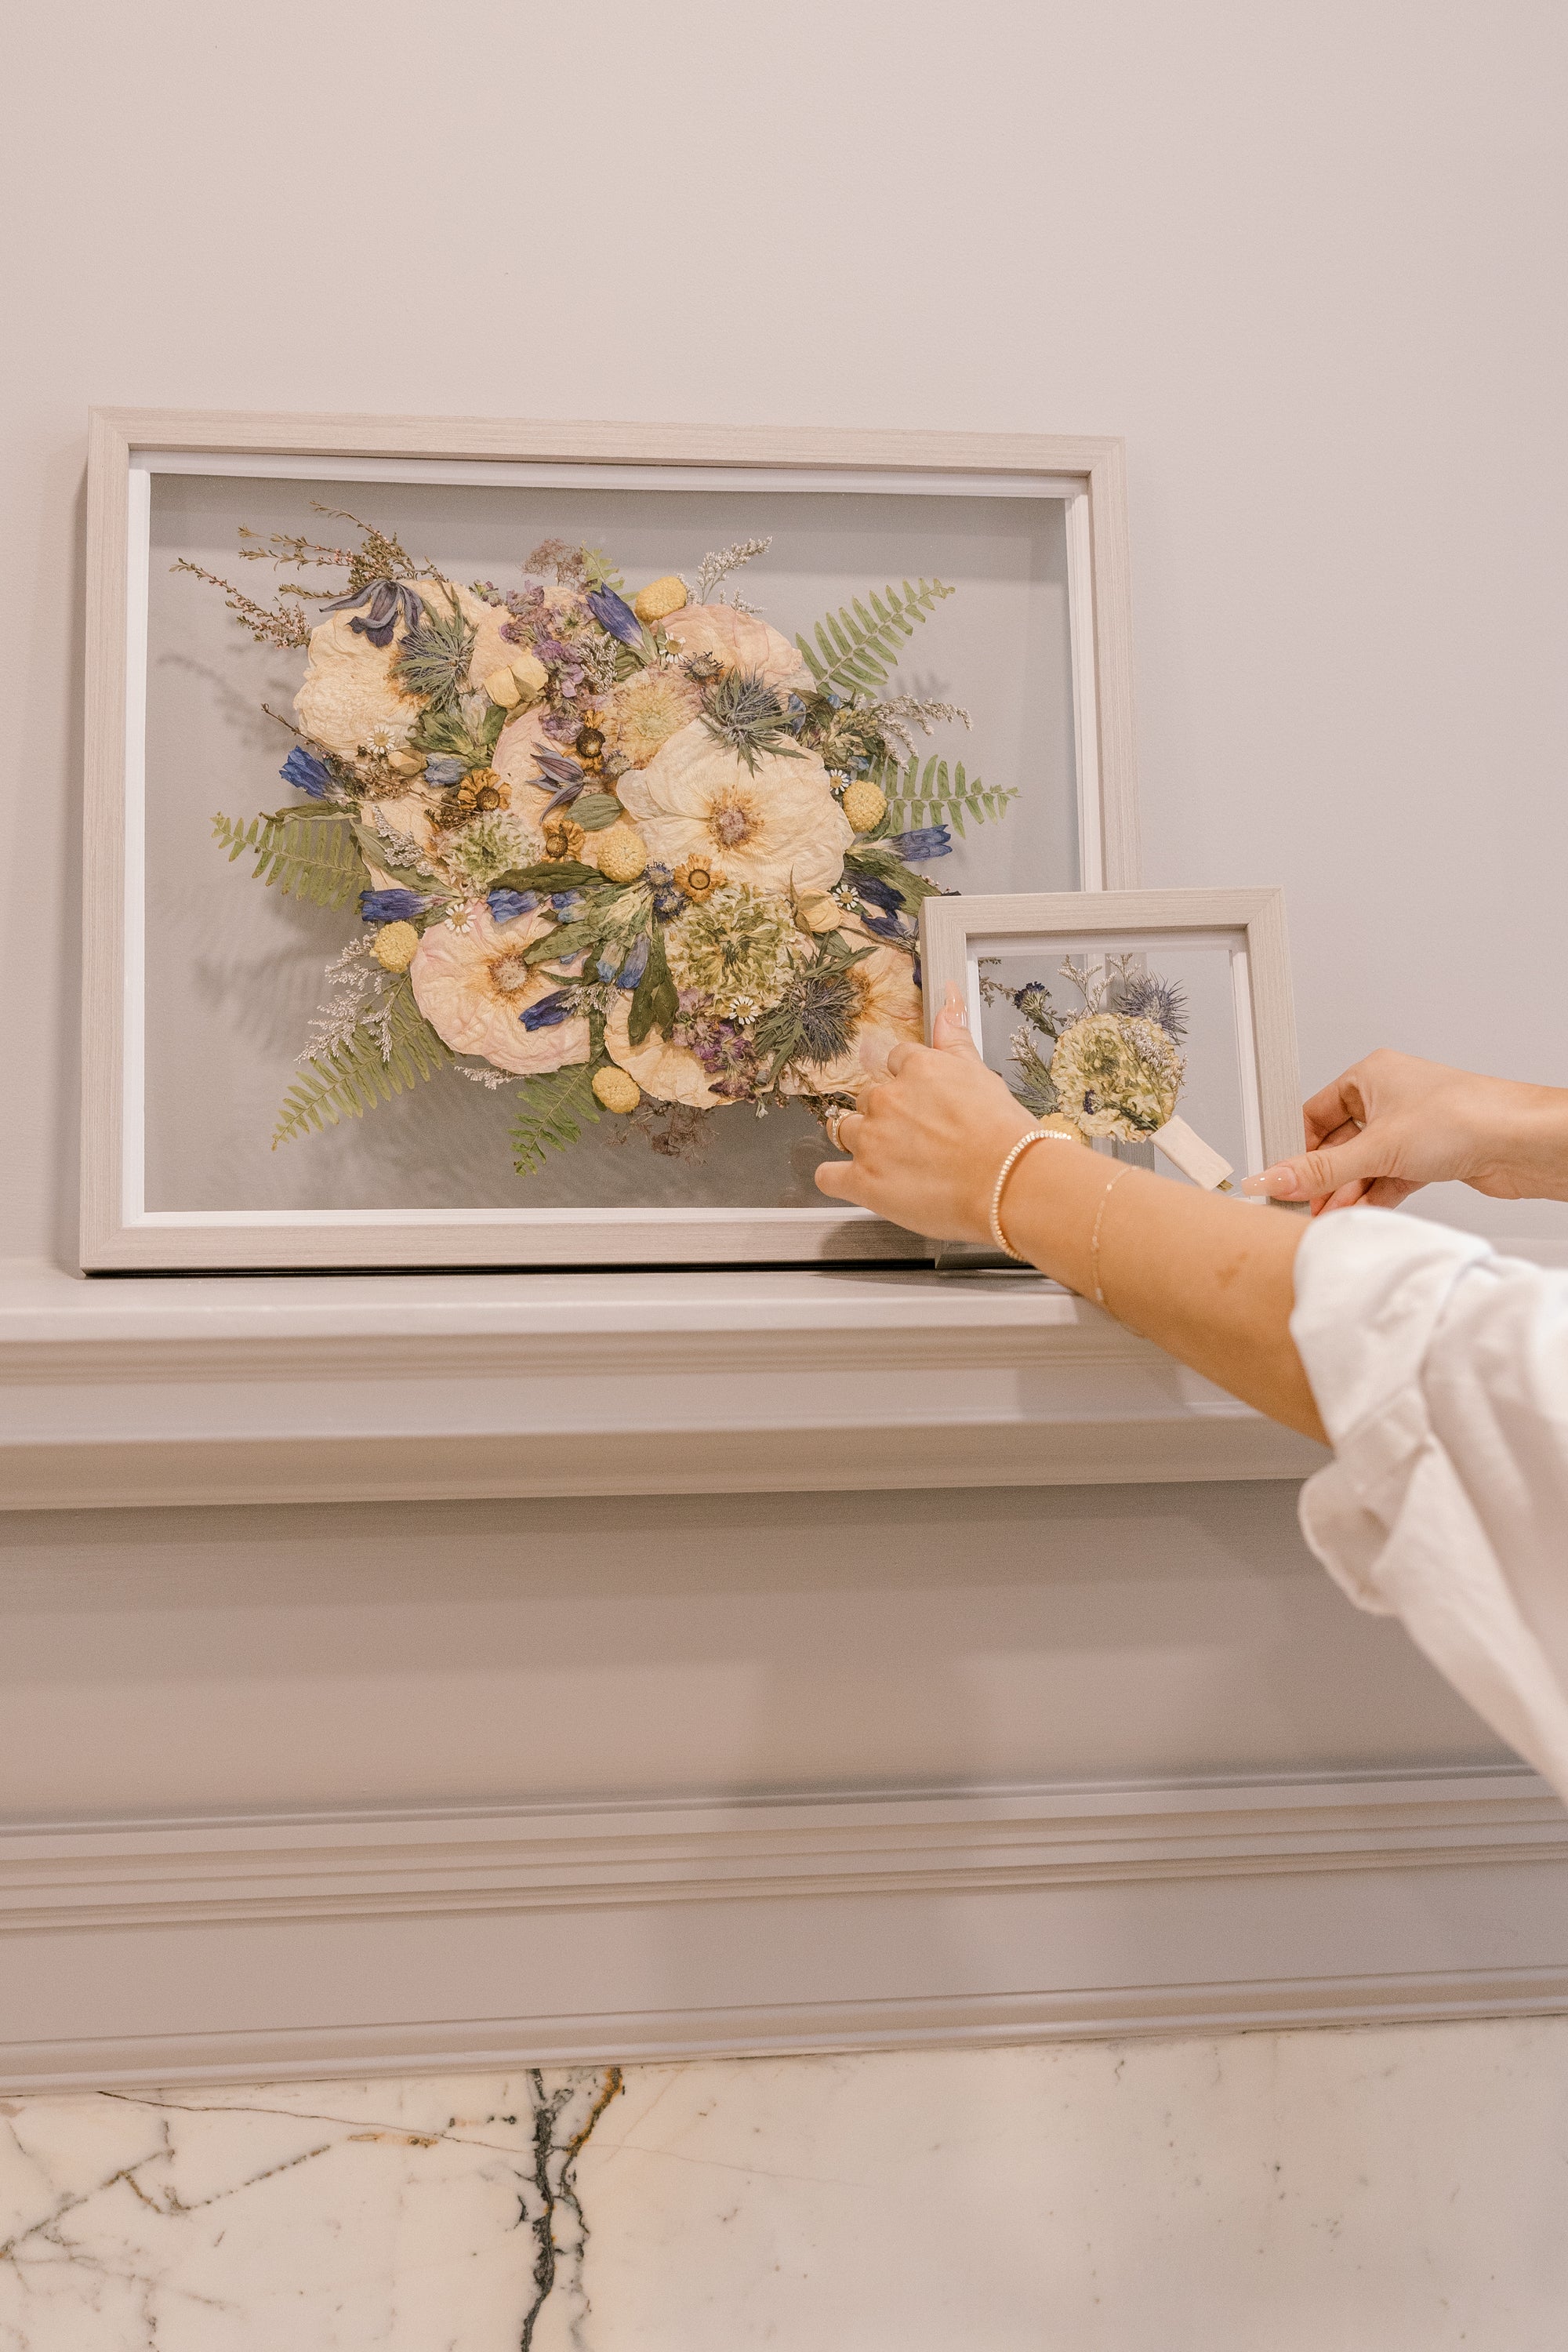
(920,795)
(308,854)
(552,1110)
(855,650)
(351,1078)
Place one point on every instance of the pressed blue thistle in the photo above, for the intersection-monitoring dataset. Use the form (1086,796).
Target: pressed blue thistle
(433,659)
(1144,996)
(668,901)
(306,772)
(744,711)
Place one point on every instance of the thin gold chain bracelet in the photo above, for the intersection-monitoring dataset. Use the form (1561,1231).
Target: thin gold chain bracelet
(1094,1236)
(1025,1142)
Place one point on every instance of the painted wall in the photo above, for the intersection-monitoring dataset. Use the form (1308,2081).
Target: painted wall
(1307,261)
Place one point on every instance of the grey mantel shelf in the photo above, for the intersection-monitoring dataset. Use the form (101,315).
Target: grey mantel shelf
(143,1390)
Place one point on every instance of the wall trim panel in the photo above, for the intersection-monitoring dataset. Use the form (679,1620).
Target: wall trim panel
(245,1949)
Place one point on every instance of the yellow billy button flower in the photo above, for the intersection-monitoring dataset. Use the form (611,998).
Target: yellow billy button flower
(616,1089)
(620,853)
(864,805)
(395,947)
(659,599)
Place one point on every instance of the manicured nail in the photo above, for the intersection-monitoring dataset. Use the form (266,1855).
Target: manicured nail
(954,1008)
(1274,1184)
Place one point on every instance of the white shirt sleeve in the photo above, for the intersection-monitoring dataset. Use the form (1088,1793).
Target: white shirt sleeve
(1441,1374)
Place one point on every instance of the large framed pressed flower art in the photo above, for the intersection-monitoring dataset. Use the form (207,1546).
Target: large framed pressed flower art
(507,843)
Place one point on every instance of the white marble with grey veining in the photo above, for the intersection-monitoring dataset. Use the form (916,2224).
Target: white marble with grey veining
(1391,2190)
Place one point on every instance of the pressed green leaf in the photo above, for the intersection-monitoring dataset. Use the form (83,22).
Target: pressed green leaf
(854,648)
(309,854)
(352,1077)
(594,811)
(655,1002)
(551,875)
(551,1111)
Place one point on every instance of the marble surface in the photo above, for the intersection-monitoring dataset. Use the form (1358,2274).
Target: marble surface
(1397,2189)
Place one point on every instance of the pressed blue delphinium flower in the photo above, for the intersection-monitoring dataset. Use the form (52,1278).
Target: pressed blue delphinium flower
(898,929)
(925,841)
(385,600)
(549,1011)
(390,905)
(444,771)
(306,772)
(565,903)
(877,893)
(615,616)
(506,906)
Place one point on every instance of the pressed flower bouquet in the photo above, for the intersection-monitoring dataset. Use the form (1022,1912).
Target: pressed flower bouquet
(613,848)
(1125,1019)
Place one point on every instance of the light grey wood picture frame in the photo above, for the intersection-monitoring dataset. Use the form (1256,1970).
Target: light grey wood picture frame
(130,448)
(957,933)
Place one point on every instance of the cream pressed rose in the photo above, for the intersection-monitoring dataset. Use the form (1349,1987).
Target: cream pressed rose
(668,1072)
(473,987)
(348,694)
(779,830)
(740,641)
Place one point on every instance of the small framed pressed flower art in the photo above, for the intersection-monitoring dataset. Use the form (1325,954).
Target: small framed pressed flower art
(1155,1025)
(506,842)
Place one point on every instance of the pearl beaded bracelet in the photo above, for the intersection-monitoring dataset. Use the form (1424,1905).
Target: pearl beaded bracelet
(1034,1135)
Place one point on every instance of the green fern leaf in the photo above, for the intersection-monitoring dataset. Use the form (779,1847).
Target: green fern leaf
(854,649)
(551,1111)
(931,795)
(352,1079)
(308,854)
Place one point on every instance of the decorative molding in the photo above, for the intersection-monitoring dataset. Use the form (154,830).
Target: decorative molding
(253,1947)
(573,1857)
(132,1390)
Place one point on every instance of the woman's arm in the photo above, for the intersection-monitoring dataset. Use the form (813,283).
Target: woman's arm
(1208,1279)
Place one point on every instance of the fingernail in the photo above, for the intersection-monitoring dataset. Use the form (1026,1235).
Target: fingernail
(1275,1184)
(954,1007)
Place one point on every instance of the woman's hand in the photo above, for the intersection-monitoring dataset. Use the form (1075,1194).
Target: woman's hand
(1392,1123)
(930,1138)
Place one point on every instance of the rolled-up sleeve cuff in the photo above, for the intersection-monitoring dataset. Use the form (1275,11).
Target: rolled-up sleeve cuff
(1370,1290)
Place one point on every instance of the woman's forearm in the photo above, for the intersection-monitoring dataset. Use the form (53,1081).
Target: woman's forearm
(1211,1280)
